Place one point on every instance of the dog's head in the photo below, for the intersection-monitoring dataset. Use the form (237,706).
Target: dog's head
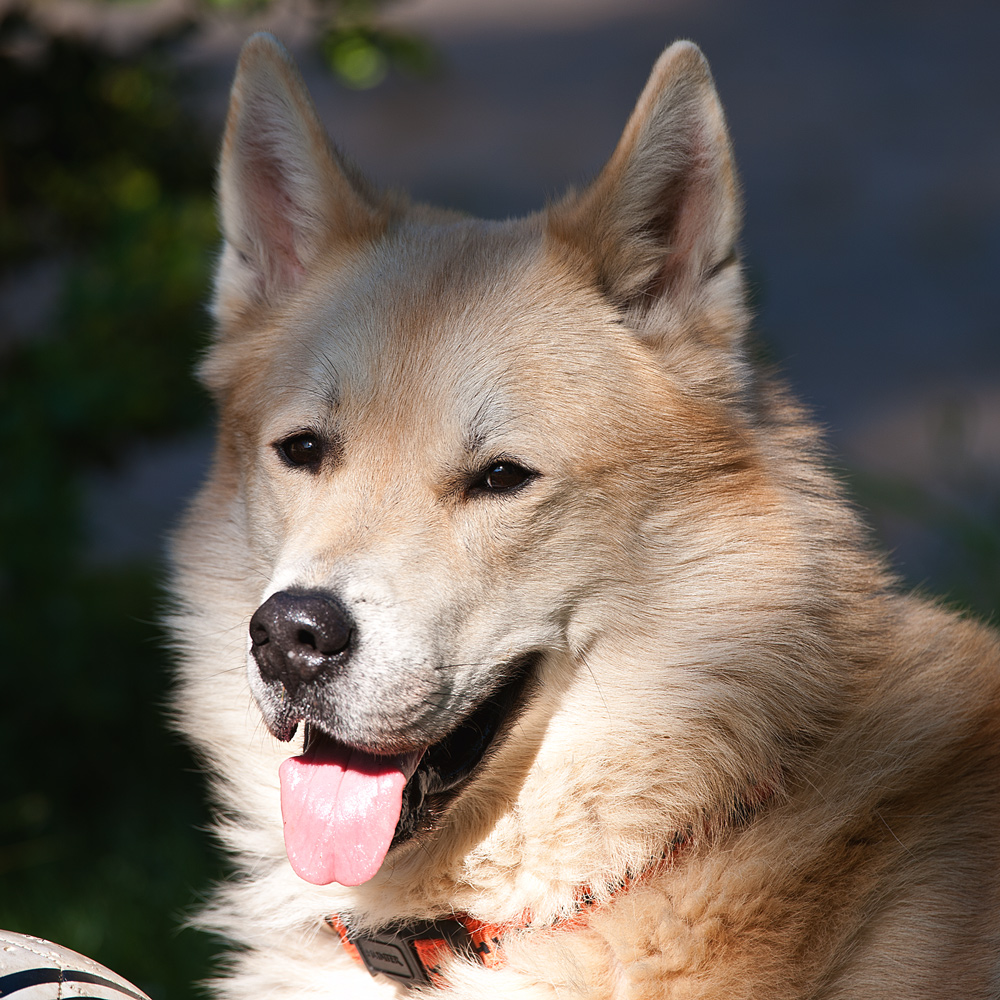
(469,461)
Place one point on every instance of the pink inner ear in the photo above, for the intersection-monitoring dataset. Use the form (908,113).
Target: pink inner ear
(688,223)
(271,213)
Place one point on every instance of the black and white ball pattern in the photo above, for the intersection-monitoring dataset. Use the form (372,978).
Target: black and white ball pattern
(33,969)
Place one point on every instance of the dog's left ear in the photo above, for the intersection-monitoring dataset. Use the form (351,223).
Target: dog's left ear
(657,229)
(286,194)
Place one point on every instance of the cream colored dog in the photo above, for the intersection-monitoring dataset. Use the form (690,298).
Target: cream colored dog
(577,675)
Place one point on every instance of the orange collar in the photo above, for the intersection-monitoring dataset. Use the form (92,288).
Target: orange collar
(412,952)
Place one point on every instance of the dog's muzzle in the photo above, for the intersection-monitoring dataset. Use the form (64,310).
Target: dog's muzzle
(304,644)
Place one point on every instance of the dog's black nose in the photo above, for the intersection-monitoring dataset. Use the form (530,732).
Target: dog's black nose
(298,634)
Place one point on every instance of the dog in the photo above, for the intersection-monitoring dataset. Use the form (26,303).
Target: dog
(532,647)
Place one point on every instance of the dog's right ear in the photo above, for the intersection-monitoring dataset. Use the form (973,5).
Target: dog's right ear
(657,229)
(285,194)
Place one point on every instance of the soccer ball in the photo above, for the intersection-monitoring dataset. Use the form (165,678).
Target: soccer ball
(33,969)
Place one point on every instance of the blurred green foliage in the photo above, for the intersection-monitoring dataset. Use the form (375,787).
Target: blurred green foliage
(100,809)
(361,53)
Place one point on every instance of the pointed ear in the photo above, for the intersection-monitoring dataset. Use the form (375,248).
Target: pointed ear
(285,194)
(657,229)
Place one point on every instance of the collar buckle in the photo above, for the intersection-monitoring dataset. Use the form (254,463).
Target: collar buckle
(411,953)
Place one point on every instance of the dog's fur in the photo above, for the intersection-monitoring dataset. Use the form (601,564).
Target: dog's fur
(719,656)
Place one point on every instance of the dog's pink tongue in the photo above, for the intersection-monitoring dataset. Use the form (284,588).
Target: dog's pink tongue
(340,809)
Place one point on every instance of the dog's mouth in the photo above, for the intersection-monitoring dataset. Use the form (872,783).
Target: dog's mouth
(345,808)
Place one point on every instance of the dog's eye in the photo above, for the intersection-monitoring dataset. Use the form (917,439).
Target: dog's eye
(303,449)
(501,477)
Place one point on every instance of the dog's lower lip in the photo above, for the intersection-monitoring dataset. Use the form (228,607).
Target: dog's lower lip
(285,733)
(447,765)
